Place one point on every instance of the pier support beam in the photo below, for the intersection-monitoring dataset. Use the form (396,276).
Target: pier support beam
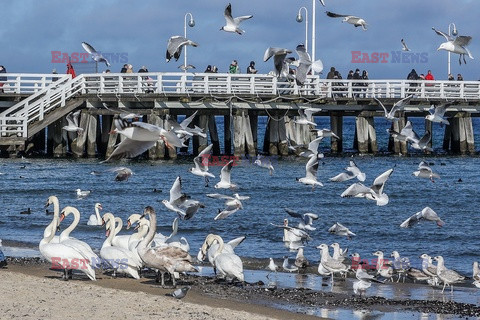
(212,130)
(429,128)
(365,135)
(275,142)
(394,145)
(227,122)
(336,125)
(243,137)
(459,134)
(55,139)
(199,143)
(158,151)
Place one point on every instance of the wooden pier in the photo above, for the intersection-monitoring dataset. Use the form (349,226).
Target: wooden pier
(33,110)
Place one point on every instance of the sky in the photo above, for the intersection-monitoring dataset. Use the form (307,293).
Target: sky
(136,32)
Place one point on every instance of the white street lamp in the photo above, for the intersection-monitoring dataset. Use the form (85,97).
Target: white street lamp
(454,33)
(191,24)
(300,19)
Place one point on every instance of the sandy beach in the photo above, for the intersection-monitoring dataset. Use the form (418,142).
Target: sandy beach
(35,292)
(32,291)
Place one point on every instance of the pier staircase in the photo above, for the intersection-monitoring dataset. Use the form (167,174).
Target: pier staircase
(26,118)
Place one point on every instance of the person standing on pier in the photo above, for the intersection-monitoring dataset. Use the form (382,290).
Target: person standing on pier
(331,73)
(365,84)
(356,76)
(429,75)
(459,77)
(233,68)
(71,70)
(251,68)
(2,78)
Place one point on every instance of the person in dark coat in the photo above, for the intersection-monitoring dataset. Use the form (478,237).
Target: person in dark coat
(251,68)
(413,76)
(356,76)
(331,74)
(3,78)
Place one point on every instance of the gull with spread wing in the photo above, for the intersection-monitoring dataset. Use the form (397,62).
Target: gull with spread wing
(398,106)
(311,172)
(97,56)
(374,192)
(225,177)
(352,171)
(180,203)
(279,63)
(356,21)
(175,45)
(72,122)
(424,171)
(437,114)
(232,24)
(457,45)
(306,219)
(427,214)
(201,164)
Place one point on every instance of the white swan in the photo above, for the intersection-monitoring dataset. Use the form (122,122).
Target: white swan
(229,247)
(122,240)
(56,218)
(228,265)
(135,217)
(65,238)
(174,240)
(95,219)
(62,256)
(165,259)
(120,259)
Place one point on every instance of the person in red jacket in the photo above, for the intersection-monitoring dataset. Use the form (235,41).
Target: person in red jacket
(429,75)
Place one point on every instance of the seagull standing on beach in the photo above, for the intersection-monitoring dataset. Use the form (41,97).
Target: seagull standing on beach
(427,214)
(398,106)
(272,267)
(383,266)
(448,277)
(232,24)
(424,171)
(404,46)
(457,45)
(97,56)
(175,45)
(288,266)
(356,21)
(437,114)
(72,122)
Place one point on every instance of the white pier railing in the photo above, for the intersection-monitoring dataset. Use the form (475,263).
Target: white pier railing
(45,97)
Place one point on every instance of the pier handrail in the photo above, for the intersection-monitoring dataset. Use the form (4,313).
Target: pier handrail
(26,83)
(15,120)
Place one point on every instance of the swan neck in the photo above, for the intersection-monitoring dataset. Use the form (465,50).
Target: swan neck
(220,245)
(118,226)
(109,240)
(76,218)
(151,231)
(97,213)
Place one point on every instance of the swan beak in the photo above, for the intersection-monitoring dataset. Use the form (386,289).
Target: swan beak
(58,228)
(107,233)
(103,222)
(62,216)
(129,224)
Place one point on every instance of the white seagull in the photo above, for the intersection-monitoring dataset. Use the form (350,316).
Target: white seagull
(352,171)
(201,164)
(123,173)
(325,133)
(175,45)
(421,143)
(272,267)
(374,192)
(311,173)
(225,175)
(288,266)
(404,46)
(279,55)
(424,171)
(232,204)
(232,24)
(306,219)
(427,213)
(72,122)
(437,114)
(356,21)
(457,45)
(398,106)
(97,56)
(447,276)
(340,230)
(305,116)
(264,162)
(180,203)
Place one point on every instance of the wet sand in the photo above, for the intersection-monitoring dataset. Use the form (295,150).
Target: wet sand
(43,292)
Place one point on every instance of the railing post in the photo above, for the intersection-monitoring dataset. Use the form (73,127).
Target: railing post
(17,87)
(229,83)
(252,84)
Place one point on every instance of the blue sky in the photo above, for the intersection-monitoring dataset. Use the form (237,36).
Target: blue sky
(30,30)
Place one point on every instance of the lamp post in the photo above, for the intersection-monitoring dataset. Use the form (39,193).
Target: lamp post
(454,33)
(299,20)
(191,24)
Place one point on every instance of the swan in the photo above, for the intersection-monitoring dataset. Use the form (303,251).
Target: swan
(229,265)
(142,230)
(165,259)
(72,242)
(63,256)
(229,247)
(122,240)
(174,240)
(95,219)
(121,259)
(56,218)
(135,217)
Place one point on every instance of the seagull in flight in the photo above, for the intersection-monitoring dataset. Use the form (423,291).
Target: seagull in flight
(437,114)
(404,46)
(265,162)
(457,45)
(306,219)
(424,171)
(72,122)
(374,192)
(180,202)
(201,164)
(398,106)
(175,45)
(305,115)
(97,56)
(186,67)
(340,230)
(356,21)
(232,24)
(279,55)
(123,173)
(427,214)
(352,171)
(225,175)
(311,173)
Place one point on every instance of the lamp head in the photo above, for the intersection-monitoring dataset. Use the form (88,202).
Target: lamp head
(191,23)
(299,17)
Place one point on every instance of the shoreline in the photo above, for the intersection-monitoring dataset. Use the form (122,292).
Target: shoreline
(257,299)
